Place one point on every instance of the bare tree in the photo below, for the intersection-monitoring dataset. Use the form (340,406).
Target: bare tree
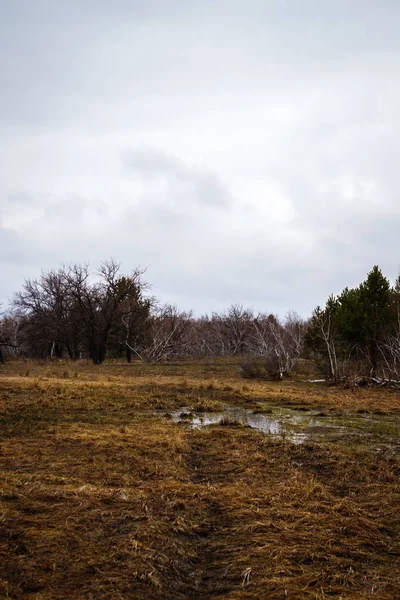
(168,334)
(47,312)
(232,329)
(206,337)
(69,311)
(322,335)
(108,305)
(10,336)
(390,347)
(390,351)
(279,342)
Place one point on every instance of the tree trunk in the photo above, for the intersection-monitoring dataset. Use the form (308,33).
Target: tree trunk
(128,354)
(373,357)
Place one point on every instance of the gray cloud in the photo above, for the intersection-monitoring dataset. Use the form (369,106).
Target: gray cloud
(244,152)
(191,184)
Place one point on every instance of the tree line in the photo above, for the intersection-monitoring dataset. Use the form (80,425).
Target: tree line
(72,313)
(358,329)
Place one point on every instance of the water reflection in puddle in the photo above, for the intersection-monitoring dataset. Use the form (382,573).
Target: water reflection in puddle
(261,422)
(276,424)
(297,426)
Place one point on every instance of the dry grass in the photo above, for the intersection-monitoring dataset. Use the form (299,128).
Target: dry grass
(101,499)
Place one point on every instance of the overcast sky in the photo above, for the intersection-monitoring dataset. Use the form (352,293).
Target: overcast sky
(242,151)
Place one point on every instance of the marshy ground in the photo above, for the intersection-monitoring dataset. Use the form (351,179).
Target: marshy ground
(111,488)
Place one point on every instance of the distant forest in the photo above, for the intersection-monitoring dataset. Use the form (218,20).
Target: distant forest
(73,314)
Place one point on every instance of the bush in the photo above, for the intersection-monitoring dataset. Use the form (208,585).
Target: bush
(348,370)
(265,367)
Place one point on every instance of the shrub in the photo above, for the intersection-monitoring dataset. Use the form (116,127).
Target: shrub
(266,367)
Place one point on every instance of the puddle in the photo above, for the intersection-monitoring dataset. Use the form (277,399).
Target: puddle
(274,424)
(293,424)
(264,423)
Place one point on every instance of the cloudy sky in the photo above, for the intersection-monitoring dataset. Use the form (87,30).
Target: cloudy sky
(242,151)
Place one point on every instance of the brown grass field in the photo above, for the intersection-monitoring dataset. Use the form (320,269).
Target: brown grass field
(103,496)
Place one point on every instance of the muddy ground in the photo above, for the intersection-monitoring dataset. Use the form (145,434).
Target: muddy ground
(105,495)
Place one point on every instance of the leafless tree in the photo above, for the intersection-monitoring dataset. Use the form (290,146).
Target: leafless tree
(10,336)
(47,313)
(69,310)
(322,331)
(107,305)
(232,329)
(206,337)
(169,334)
(390,347)
(279,342)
